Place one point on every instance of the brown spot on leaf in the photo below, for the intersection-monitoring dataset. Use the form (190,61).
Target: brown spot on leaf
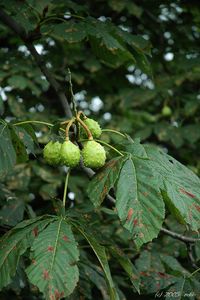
(58,294)
(186,193)
(33,261)
(158,285)
(104,192)
(35,231)
(65,238)
(144,273)
(130,213)
(161,274)
(197,207)
(21,135)
(145,194)
(50,248)
(141,235)
(45,274)
(135,222)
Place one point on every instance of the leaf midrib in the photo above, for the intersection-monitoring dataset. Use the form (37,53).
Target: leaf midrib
(55,247)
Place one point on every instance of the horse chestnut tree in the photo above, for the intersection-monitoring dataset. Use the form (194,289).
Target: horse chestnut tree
(93,203)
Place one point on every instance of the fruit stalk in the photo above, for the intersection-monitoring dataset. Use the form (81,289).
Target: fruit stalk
(90,137)
(67,129)
(65,188)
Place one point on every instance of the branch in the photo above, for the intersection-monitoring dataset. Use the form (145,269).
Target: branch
(21,32)
(178,236)
(191,257)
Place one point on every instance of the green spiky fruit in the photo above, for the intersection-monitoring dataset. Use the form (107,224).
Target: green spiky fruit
(166,111)
(70,154)
(94,128)
(94,155)
(51,153)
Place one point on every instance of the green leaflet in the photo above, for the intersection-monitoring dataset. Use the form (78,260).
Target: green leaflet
(127,265)
(138,200)
(7,152)
(101,256)
(180,184)
(54,258)
(104,180)
(15,243)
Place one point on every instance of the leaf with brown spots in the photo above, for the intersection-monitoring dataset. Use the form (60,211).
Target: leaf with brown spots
(153,269)
(56,253)
(180,186)
(14,244)
(104,180)
(139,204)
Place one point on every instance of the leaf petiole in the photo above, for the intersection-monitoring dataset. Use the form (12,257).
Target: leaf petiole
(109,146)
(114,131)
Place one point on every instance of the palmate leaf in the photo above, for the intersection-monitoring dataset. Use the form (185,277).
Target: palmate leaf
(110,44)
(54,258)
(139,201)
(15,243)
(7,151)
(104,180)
(180,185)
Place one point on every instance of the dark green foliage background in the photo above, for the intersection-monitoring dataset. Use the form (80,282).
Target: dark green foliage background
(102,58)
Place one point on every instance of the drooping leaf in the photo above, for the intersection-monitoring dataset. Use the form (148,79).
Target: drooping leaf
(7,152)
(104,180)
(15,243)
(54,258)
(179,183)
(127,265)
(101,256)
(138,200)
(92,273)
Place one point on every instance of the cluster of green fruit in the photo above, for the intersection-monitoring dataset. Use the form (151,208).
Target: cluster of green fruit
(69,154)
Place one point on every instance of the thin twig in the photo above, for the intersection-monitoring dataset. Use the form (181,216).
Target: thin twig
(179,236)
(190,255)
